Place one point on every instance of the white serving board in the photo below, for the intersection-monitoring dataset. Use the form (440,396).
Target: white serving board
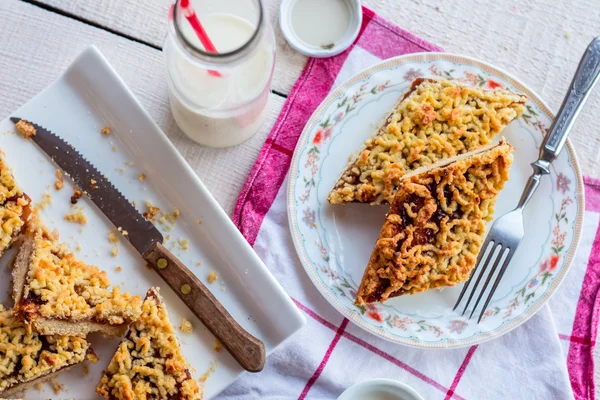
(86,98)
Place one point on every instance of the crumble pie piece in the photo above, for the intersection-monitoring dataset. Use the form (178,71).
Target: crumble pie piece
(148,363)
(25,129)
(434,120)
(15,207)
(28,358)
(436,225)
(60,294)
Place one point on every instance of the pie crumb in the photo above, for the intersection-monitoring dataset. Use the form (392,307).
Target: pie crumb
(45,202)
(105,131)
(93,184)
(186,326)
(148,267)
(212,277)
(92,357)
(113,238)
(76,196)
(199,222)
(114,252)
(59,182)
(114,148)
(77,216)
(86,369)
(199,264)
(118,269)
(152,211)
(142,177)
(38,386)
(175,213)
(218,345)
(78,248)
(123,231)
(209,371)
(25,129)
(56,386)
(184,244)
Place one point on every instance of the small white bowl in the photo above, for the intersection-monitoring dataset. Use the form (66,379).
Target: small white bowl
(285,22)
(388,386)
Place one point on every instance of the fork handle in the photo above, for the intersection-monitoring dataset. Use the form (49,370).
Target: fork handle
(585,78)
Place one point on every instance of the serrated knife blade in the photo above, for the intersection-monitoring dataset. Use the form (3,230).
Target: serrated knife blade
(141,233)
(147,240)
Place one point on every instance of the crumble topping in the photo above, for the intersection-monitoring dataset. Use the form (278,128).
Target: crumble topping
(434,120)
(56,386)
(186,326)
(76,196)
(105,131)
(151,212)
(142,177)
(25,129)
(45,201)
(77,216)
(59,182)
(15,207)
(212,277)
(209,371)
(148,362)
(184,244)
(435,227)
(25,355)
(218,346)
(113,238)
(60,286)
(176,213)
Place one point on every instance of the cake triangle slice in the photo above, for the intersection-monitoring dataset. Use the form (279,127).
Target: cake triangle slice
(436,225)
(15,207)
(148,363)
(57,293)
(434,120)
(27,358)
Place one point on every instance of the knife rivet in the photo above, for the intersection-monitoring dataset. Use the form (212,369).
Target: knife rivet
(161,263)
(185,288)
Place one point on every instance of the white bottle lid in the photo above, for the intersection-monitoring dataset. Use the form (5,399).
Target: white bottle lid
(320,28)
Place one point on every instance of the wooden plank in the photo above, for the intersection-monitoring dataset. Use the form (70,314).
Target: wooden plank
(147,21)
(38,45)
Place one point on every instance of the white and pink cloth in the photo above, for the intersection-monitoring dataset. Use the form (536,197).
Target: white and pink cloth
(548,357)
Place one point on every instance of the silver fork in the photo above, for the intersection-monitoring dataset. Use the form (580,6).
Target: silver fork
(507,231)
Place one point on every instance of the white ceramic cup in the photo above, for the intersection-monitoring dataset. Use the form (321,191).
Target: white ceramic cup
(388,387)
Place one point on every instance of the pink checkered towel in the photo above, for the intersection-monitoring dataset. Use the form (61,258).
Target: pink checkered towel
(549,357)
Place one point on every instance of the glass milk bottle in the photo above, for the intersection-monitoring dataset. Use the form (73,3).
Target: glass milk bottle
(219,99)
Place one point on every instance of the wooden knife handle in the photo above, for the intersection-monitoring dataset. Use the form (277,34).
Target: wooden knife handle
(245,348)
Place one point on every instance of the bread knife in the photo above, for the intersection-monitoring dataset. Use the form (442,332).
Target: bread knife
(147,240)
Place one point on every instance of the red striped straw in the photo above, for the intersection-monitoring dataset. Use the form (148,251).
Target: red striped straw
(192,18)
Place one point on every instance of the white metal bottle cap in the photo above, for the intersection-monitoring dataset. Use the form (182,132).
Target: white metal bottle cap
(320,28)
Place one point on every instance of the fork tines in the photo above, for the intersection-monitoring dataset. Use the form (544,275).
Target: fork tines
(499,255)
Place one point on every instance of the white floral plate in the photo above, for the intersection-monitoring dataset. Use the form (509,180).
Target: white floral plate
(334,242)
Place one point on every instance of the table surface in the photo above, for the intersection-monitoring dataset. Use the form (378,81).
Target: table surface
(540,42)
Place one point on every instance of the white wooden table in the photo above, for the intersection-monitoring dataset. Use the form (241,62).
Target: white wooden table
(539,41)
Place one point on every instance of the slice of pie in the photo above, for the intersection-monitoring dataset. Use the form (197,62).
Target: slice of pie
(148,363)
(436,225)
(60,294)
(15,207)
(27,358)
(434,120)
